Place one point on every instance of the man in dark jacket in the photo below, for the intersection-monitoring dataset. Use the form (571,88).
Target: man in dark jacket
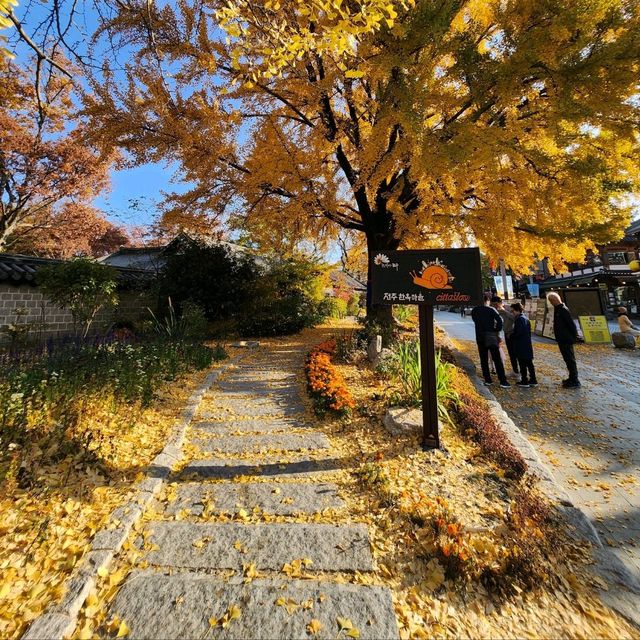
(566,335)
(488,325)
(522,347)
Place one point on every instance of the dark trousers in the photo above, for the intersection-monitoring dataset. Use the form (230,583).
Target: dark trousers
(569,357)
(497,361)
(511,350)
(527,370)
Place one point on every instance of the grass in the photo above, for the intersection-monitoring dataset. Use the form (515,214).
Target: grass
(407,370)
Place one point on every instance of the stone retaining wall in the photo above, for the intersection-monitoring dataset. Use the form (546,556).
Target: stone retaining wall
(24,304)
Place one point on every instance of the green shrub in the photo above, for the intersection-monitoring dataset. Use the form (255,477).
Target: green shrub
(353,305)
(338,307)
(247,295)
(80,285)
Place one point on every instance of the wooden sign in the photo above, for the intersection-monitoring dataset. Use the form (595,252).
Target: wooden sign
(429,276)
(426,278)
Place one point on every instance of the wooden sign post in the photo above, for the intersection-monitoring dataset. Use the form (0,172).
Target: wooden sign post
(426,278)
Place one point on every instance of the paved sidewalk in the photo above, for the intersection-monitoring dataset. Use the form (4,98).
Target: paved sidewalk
(239,529)
(590,437)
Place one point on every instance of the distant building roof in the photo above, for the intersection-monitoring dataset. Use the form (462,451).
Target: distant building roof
(17,269)
(342,278)
(153,258)
(145,258)
(633,229)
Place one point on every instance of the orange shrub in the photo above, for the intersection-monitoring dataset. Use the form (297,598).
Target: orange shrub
(324,381)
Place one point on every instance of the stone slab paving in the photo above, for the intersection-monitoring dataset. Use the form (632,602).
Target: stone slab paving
(268,546)
(285,498)
(263,443)
(189,582)
(235,427)
(257,410)
(589,437)
(184,603)
(272,467)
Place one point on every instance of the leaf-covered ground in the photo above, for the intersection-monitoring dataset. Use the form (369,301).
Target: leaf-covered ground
(54,503)
(394,487)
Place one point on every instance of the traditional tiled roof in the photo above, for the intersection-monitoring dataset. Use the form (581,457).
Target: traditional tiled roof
(17,269)
(342,278)
(153,258)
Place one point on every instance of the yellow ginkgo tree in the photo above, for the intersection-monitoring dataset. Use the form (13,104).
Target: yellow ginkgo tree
(6,7)
(508,123)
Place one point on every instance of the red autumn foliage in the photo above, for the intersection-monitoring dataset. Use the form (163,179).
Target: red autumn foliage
(473,416)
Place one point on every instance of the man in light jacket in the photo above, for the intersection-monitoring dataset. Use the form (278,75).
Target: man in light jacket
(566,334)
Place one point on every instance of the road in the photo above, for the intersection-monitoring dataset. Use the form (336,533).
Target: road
(590,437)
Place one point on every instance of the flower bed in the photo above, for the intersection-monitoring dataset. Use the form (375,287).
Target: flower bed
(325,384)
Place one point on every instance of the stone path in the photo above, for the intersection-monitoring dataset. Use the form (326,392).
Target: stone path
(217,547)
(590,437)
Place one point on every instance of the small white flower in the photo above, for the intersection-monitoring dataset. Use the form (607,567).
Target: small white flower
(381,259)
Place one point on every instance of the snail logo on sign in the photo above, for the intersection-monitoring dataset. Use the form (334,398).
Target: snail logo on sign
(434,275)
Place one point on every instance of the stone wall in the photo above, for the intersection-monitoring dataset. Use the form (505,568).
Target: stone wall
(25,304)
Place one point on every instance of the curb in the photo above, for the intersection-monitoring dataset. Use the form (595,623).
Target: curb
(623,592)
(60,620)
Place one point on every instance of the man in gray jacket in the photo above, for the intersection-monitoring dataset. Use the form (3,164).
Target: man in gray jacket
(508,320)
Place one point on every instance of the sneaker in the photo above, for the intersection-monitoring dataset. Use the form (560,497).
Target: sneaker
(488,383)
(533,384)
(524,385)
(572,384)
(505,385)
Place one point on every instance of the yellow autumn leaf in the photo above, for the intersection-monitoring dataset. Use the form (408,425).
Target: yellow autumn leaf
(103,572)
(344,624)
(314,626)
(123,630)
(213,621)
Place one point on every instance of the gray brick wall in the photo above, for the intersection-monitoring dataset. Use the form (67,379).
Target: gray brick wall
(26,304)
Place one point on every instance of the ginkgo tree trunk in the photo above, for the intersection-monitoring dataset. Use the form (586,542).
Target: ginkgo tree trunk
(512,124)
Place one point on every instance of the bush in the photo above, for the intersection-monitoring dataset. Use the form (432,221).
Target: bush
(325,384)
(80,285)
(252,296)
(353,305)
(338,307)
(473,416)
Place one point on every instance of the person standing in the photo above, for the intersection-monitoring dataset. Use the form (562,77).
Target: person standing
(488,325)
(463,311)
(566,336)
(508,319)
(522,347)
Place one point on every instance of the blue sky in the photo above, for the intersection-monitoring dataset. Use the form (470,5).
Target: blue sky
(135,192)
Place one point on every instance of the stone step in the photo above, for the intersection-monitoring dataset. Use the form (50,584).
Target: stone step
(219,468)
(183,604)
(263,443)
(231,545)
(285,394)
(222,409)
(283,498)
(253,387)
(229,427)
